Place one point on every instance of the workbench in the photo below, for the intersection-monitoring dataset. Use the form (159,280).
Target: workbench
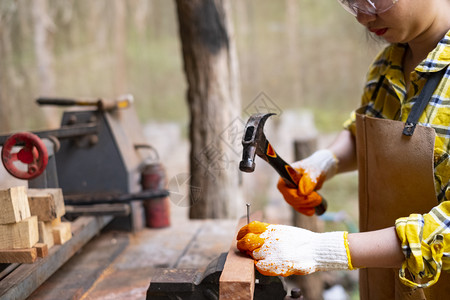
(120,265)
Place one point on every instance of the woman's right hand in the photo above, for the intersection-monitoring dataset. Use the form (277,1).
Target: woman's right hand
(313,171)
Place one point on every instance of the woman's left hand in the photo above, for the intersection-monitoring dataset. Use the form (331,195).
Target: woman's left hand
(286,250)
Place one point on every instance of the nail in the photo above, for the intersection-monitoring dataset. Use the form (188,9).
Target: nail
(248,213)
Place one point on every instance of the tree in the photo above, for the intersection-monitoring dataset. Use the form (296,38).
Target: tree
(43,28)
(213,96)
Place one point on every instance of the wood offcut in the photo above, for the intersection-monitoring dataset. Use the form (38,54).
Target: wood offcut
(238,276)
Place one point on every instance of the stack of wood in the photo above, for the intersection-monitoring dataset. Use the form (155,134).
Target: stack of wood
(30,223)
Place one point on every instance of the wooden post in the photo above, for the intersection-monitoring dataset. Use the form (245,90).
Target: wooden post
(210,65)
(311,285)
(43,48)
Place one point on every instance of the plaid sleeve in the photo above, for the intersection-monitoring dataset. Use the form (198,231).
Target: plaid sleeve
(442,170)
(425,241)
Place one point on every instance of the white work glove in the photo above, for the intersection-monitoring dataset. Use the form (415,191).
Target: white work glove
(315,169)
(280,250)
(312,172)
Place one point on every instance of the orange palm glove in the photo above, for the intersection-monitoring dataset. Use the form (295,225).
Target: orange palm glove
(286,250)
(313,171)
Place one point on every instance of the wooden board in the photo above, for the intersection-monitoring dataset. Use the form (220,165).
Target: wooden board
(238,276)
(14,205)
(62,233)
(41,250)
(128,277)
(21,282)
(23,256)
(46,233)
(185,244)
(26,256)
(205,246)
(23,234)
(86,267)
(46,204)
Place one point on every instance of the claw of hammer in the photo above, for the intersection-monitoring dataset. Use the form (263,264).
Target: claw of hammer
(255,143)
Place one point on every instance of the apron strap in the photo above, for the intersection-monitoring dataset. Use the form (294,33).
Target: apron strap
(422,102)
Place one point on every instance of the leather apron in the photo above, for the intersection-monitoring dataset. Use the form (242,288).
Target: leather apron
(395,179)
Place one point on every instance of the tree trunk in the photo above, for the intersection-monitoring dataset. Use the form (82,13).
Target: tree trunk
(120,64)
(293,49)
(43,49)
(6,111)
(210,64)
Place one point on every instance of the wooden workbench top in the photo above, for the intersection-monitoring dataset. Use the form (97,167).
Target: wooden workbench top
(119,265)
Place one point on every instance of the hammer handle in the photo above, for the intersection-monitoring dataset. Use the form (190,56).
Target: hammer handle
(67,101)
(288,174)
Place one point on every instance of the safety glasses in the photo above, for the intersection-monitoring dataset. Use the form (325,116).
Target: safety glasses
(370,7)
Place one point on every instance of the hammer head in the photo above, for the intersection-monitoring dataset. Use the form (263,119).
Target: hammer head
(253,141)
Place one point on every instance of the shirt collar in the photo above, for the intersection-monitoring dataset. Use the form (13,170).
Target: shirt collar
(436,60)
(394,59)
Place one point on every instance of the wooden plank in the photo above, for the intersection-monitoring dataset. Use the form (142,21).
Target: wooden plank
(23,234)
(62,233)
(87,266)
(212,238)
(25,256)
(46,204)
(20,283)
(149,249)
(238,276)
(14,205)
(55,222)
(41,250)
(6,269)
(46,233)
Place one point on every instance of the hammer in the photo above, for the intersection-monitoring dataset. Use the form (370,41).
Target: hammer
(255,143)
(122,101)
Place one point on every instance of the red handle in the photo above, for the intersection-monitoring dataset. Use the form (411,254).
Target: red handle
(33,153)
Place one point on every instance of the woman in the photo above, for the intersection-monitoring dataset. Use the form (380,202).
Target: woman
(399,140)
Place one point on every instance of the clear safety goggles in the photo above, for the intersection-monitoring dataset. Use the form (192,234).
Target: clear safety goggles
(370,7)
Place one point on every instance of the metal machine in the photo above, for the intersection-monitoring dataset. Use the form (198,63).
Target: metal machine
(190,284)
(97,157)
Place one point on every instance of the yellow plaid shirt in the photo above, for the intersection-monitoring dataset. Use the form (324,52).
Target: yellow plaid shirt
(391,100)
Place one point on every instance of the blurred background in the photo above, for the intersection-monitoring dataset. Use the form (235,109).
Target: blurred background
(307,57)
(304,54)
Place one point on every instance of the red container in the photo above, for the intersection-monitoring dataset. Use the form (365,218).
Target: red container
(157,210)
